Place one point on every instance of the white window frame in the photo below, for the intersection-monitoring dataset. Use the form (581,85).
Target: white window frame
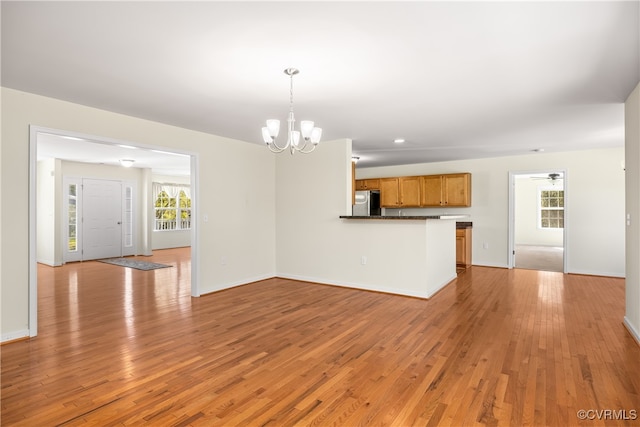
(541,208)
(173,191)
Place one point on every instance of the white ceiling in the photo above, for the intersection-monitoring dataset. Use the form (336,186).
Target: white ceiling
(457,80)
(91,150)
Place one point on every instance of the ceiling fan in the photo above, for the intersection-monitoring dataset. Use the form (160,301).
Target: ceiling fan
(551,177)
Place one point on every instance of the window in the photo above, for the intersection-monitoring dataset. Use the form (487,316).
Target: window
(72,218)
(172,204)
(551,208)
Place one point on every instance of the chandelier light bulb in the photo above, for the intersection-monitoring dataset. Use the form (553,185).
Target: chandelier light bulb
(274,128)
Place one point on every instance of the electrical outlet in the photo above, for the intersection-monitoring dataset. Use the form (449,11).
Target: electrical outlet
(485,245)
(363,260)
(223,260)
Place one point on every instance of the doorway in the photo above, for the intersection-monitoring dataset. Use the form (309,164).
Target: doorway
(98,157)
(537,227)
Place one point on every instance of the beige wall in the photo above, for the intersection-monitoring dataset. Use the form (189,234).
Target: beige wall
(594,189)
(313,244)
(271,215)
(632,164)
(231,174)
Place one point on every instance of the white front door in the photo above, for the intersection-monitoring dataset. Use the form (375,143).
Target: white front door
(102,219)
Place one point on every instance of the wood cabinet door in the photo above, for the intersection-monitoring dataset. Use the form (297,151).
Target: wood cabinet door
(431,190)
(360,185)
(457,189)
(372,184)
(389,193)
(463,247)
(460,250)
(410,194)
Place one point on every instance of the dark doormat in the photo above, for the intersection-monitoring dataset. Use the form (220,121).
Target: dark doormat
(133,263)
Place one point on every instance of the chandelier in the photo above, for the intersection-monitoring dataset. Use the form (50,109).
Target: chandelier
(310,134)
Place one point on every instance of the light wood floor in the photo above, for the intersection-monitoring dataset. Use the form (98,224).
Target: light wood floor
(495,347)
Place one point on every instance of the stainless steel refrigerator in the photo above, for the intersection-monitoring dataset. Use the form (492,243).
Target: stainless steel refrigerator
(367,203)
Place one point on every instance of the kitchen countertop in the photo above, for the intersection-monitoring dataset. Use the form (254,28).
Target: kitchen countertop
(406,217)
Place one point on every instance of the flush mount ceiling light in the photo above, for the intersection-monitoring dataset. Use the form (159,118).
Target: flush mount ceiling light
(310,134)
(127,163)
(398,140)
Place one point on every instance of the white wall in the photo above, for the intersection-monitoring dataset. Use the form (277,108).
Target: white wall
(594,198)
(237,192)
(171,238)
(632,164)
(314,244)
(47,229)
(527,231)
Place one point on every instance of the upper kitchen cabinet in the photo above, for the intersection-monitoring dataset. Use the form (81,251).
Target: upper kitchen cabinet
(451,190)
(367,184)
(403,192)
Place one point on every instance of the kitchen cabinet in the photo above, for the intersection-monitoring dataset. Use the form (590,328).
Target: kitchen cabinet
(451,190)
(389,193)
(367,184)
(463,247)
(403,192)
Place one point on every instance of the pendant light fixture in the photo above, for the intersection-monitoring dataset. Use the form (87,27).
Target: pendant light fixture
(303,141)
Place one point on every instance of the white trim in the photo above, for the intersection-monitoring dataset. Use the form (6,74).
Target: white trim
(24,333)
(363,287)
(511,234)
(195,214)
(33,156)
(231,285)
(33,269)
(634,333)
(597,273)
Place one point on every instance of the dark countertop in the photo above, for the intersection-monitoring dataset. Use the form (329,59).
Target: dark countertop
(464,224)
(404,217)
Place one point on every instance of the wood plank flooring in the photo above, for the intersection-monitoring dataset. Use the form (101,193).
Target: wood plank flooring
(495,347)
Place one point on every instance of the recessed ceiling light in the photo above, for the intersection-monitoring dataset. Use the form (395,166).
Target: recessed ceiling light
(398,140)
(127,163)
(128,146)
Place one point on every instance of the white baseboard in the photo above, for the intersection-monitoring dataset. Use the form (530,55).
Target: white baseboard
(15,335)
(383,289)
(598,273)
(633,331)
(234,284)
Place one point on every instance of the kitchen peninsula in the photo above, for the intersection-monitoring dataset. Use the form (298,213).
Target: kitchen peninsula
(419,217)
(428,260)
